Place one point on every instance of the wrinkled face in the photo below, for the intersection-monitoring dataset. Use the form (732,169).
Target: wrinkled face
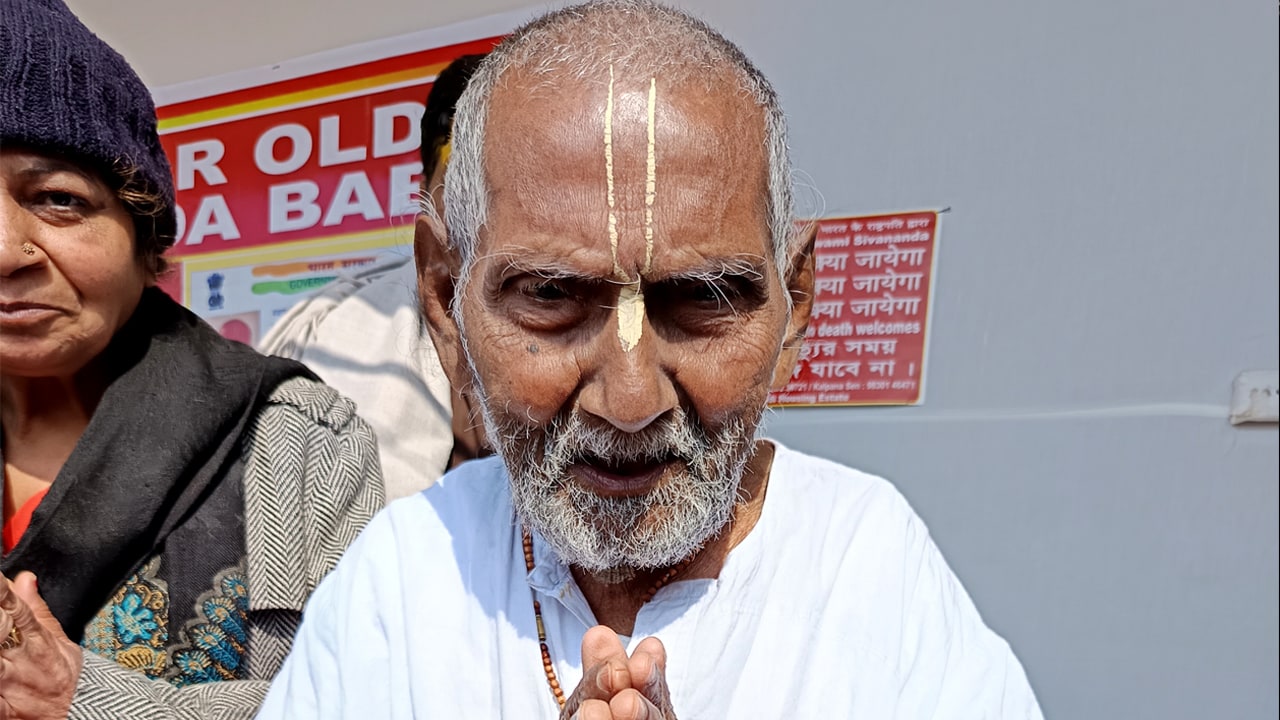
(70,276)
(623,317)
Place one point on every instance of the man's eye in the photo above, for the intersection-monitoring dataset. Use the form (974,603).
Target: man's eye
(713,292)
(546,290)
(545,304)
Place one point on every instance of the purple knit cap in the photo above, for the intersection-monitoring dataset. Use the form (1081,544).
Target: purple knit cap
(64,90)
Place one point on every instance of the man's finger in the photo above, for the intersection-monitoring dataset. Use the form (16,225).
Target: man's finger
(593,710)
(601,644)
(631,705)
(599,682)
(604,663)
(648,668)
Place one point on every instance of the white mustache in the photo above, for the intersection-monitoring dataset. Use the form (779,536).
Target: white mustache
(576,441)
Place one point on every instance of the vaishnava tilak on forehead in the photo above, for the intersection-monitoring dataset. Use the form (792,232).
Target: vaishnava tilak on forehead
(631,296)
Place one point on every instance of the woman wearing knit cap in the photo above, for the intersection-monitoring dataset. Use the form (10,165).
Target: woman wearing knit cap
(170,498)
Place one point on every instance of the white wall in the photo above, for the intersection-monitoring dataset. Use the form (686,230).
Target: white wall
(1109,265)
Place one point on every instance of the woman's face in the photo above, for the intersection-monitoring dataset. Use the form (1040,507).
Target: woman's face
(69,276)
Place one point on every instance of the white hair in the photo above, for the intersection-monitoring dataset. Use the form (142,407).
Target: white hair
(635,36)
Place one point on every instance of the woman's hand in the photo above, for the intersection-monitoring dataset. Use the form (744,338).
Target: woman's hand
(39,665)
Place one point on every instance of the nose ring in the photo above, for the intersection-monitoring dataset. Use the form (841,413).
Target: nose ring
(28,248)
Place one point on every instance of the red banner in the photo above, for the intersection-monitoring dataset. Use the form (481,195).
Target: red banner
(331,153)
(282,186)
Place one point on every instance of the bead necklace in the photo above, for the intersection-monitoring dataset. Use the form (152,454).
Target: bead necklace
(547,667)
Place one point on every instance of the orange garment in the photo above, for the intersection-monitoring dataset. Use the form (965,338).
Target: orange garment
(15,526)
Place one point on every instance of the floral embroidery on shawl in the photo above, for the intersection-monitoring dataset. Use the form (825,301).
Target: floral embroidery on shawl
(132,629)
(216,640)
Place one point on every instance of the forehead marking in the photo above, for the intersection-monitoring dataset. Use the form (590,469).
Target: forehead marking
(630,295)
(650,178)
(608,173)
(630,315)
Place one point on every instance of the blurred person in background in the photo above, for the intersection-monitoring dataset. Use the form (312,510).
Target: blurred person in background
(363,335)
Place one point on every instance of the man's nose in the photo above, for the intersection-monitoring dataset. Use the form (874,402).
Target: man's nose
(18,248)
(629,389)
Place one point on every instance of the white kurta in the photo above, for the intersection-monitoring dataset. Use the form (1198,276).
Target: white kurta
(837,605)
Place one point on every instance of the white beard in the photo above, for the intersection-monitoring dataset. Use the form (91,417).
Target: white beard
(617,535)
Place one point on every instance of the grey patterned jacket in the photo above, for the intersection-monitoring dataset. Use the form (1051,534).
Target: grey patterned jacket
(311,483)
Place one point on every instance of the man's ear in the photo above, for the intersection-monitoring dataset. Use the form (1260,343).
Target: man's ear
(438,268)
(799,283)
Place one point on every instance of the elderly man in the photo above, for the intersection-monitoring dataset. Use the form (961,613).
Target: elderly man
(625,286)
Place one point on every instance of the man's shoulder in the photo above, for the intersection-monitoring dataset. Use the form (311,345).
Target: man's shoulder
(418,542)
(375,296)
(814,505)
(384,289)
(807,480)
